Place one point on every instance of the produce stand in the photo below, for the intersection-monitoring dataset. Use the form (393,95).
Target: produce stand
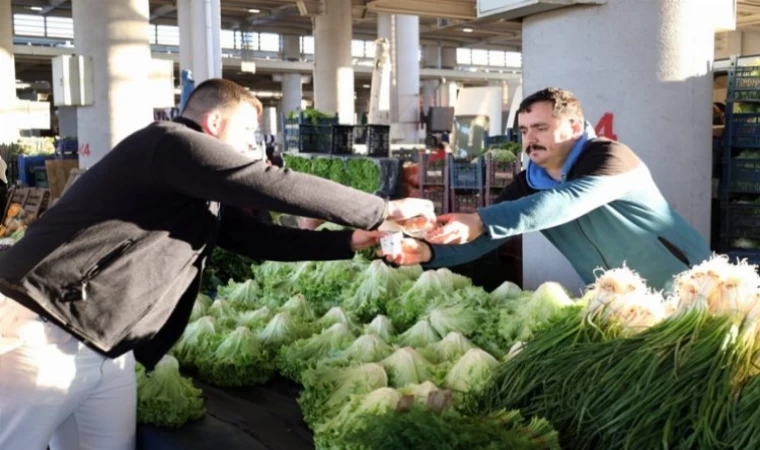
(257,418)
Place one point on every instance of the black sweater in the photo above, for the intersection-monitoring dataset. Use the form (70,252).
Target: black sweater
(117,260)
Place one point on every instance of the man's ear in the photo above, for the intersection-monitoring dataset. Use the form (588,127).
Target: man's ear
(211,123)
(577,125)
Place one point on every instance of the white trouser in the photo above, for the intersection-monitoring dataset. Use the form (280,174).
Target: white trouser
(55,391)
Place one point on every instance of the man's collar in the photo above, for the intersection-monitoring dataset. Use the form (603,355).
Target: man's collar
(188,123)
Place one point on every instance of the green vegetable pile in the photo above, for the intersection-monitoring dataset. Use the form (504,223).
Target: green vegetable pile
(365,340)
(631,370)
(360,173)
(165,398)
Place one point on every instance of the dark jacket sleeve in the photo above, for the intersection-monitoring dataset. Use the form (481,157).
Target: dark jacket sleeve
(203,167)
(518,188)
(243,234)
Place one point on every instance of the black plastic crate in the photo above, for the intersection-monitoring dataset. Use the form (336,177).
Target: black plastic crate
(440,198)
(500,173)
(433,173)
(466,174)
(741,220)
(466,202)
(378,140)
(752,256)
(292,135)
(744,176)
(342,140)
(745,130)
(314,138)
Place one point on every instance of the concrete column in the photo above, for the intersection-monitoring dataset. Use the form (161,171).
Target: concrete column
(115,36)
(291,47)
(665,75)
(67,121)
(207,43)
(385,26)
(292,91)
(185,24)
(447,94)
(431,56)
(8,129)
(333,68)
(200,27)
(448,57)
(407,43)
(429,94)
(512,90)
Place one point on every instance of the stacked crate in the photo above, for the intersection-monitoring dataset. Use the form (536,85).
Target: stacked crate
(740,180)
(434,181)
(467,183)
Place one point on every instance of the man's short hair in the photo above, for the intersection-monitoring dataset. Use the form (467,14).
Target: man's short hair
(219,94)
(564,103)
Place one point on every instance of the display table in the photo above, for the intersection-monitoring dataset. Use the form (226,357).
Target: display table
(255,418)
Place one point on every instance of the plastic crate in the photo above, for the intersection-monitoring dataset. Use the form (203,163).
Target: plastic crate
(744,176)
(745,130)
(741,220)
(342,140)
(67,146)
(500,173)
(292,134)
(39,175)
(378,140)
(314,138)
(406,155)
(27,165)
(491,196)
(466,203)
(465,174)
(752,256)
(495,141)
(433,173)
(440,198)
(746,83)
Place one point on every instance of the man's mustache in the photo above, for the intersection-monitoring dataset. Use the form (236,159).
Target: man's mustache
(530,148)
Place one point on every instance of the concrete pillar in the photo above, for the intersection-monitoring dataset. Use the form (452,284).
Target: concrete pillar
(185,24)
(200,42)
(447,94)
(8,129)
(385,26)
(429,94)
(292,91)
(407,43)
(291,47)
(67,121)
(448,57)
(665,75)
(333,68)
(431,57)
(115,36)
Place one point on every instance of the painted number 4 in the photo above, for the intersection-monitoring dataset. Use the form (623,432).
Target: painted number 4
(605,127)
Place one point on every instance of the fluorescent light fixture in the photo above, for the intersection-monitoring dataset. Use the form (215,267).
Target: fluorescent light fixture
(366,86)
(36,8)
(254,11)
(467,30)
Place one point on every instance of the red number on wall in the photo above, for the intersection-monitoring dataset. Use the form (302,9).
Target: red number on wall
(605,127)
